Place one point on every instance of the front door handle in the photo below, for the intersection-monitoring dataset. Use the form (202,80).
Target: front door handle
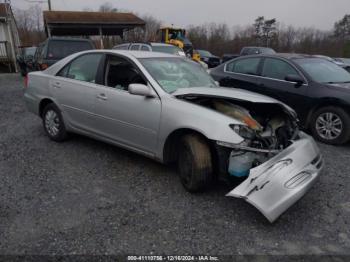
(102,97)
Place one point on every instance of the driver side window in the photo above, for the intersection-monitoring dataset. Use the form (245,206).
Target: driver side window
(277,69)
(120,73)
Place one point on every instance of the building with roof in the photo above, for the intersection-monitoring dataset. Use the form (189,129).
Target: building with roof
(9,38)
(76,23)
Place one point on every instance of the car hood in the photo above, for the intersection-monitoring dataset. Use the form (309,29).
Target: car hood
(231,93)
(223,92)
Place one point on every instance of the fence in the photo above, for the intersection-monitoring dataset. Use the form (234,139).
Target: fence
(5,55)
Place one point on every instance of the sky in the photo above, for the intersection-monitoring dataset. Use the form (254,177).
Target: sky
(320,14)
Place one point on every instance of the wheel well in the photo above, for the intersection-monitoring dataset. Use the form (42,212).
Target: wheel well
(171,145)
(43,104)
(324,103)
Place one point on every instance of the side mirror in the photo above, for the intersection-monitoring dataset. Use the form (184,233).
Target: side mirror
(295,78)
(141,90)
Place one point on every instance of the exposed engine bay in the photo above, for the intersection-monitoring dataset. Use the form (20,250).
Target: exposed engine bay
(267,129)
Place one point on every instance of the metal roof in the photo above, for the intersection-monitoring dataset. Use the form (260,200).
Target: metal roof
(69,23)
(75,17)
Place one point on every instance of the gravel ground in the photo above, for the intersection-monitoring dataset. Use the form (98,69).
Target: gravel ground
(86,197)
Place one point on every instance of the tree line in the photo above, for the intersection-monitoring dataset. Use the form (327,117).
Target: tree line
(217,38)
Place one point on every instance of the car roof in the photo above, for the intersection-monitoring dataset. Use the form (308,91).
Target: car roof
(160,44)
(68,39)
(288,56)
(146,43)
(136,54)
(258,47)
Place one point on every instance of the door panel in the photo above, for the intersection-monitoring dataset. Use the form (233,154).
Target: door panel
(242,73)
(74,88)
(76,99)
(272,83)
(129,119)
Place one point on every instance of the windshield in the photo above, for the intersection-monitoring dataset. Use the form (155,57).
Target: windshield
(174,50)
(174,73)
(204,53)
(323,71)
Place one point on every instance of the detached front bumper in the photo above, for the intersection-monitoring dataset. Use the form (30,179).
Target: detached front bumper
(278,183)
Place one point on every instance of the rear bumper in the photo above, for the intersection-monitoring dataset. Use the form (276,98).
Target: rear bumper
(278,183)
(31,103)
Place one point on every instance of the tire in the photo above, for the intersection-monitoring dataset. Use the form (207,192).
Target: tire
(331,125)
(195,164)
(53,123)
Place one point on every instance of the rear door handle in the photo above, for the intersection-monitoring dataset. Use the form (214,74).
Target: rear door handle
(102,97)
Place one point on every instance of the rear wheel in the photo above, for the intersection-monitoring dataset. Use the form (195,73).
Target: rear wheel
(331,125)
(195,163)
(53,123)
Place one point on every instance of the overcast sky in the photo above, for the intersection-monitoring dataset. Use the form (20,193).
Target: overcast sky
(320,14)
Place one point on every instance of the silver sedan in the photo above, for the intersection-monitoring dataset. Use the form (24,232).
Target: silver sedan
(168,108)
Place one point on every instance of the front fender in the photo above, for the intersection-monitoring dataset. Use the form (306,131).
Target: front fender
(179,114)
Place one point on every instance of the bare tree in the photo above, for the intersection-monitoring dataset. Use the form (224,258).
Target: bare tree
(107,7)
(30,25)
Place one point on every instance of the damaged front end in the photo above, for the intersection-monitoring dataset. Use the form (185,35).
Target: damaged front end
(278,162)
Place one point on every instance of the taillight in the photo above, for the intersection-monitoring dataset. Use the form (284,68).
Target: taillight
(44,66)
(26,80)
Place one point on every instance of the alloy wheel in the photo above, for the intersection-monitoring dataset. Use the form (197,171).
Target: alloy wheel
(52,123)
(329,126)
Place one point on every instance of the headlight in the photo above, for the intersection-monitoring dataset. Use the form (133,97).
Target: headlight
(243,131)
(205,59)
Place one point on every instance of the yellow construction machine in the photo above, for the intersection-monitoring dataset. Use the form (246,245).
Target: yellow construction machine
(177,36)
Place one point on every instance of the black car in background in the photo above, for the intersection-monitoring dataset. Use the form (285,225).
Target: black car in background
(56,48)
(256,50)
(208,58)
(227,57)
(25,59)
(318,90)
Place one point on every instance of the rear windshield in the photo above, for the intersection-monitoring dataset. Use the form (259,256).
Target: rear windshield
(29,51)
(204,53)
(167,49)
(61,49)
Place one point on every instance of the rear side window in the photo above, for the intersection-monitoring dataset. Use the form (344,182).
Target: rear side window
(145,48)
(84,68)
(60,49)
(277,69)
(135,47)
(244,66)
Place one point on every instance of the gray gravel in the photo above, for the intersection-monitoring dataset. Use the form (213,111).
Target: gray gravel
(87,197)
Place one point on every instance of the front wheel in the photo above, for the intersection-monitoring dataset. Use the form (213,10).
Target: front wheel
(53,123)
(331,125)
(195,163)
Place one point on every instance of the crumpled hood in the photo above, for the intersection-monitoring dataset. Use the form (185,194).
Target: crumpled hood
(223,92)
(234,93)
